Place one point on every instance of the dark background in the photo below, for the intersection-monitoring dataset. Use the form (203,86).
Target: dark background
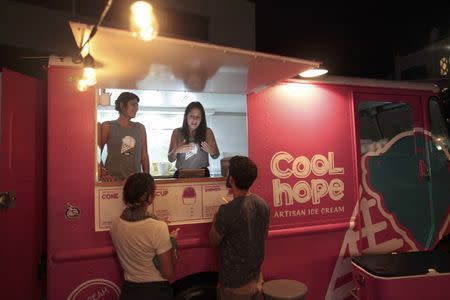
(352,38)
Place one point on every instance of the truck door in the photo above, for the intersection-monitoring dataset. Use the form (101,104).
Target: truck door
(21,185)
(439,170)
(394,174)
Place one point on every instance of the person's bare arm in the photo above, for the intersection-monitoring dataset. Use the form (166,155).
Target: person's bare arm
(168,259)
(145,161)
(99,134)
(104,132)
(215,238)
(210,144)
(172,155)
(103,173)
(167,263)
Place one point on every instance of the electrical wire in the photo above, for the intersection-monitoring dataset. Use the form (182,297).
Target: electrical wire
(100,21)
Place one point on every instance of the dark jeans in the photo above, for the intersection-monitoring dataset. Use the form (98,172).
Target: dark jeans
(158,290)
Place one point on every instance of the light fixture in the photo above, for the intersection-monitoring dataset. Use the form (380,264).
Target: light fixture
(82,85)
(89,77)
(84,46)
(314,72)
(89,70)
(143,23)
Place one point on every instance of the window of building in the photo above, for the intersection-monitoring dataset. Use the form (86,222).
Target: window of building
(443,66)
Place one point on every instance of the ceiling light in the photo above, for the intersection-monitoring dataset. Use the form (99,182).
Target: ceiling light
(82,85)
(89,73)
(89,77)
(314,72)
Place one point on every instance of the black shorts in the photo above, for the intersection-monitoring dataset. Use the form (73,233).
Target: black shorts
(158,290)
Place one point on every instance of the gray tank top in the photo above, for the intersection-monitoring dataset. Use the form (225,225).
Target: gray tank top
(196,159)
(124,150)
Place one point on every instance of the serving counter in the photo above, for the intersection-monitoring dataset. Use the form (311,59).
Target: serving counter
(178,201)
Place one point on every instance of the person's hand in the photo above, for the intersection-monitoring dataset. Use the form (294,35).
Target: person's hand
(174,233)
(173,239)
(208,148)
(185,148)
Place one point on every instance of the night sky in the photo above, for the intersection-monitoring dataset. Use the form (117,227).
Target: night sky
(351,38)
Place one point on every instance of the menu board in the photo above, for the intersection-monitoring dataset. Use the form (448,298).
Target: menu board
(177,203)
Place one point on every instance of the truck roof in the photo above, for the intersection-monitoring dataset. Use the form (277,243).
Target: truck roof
(368,82)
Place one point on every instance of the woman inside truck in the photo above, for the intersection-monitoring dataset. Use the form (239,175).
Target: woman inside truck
(126,142)
(145,249)
(191,144)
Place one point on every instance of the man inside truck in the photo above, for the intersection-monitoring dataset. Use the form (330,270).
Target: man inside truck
(239,230)
(126,142)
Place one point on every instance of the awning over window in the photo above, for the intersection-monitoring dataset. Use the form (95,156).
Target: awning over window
(125,62)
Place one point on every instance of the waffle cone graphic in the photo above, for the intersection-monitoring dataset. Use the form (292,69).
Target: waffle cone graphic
(128,143)
(124,148)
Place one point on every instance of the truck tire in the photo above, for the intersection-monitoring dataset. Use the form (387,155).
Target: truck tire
(203,292)
(201,286)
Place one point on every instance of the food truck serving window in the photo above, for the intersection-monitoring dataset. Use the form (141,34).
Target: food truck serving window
(163,111)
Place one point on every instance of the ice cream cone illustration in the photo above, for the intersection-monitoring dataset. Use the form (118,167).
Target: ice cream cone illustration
(189,196)
(192,152)
(128,143)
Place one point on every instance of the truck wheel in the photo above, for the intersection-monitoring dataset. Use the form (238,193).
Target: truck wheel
(199,286)
(203,292)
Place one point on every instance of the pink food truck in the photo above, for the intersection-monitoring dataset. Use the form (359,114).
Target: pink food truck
(349,167)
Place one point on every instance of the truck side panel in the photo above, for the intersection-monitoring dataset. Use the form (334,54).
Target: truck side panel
(79,259)
(302,138)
